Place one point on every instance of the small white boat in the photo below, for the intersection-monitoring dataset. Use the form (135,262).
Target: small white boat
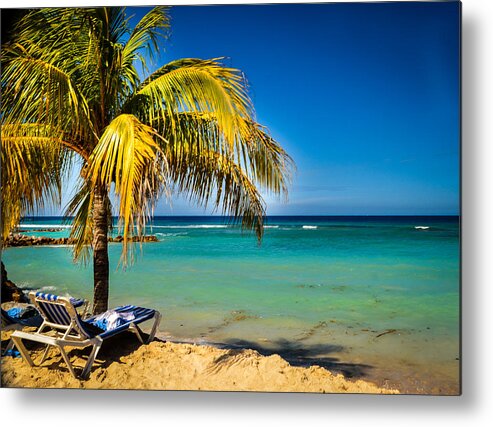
(421,227)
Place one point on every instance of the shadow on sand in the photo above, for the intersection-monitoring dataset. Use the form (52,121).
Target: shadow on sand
(294,352)
(304,355)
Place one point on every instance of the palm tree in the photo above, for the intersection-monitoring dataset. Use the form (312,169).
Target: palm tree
(72,96)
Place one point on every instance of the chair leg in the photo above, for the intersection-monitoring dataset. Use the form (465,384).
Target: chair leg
(157,321)
(90,361)
(9,347)
(67,361)
(137,331)
(45,354)
(10,344)
(23,351)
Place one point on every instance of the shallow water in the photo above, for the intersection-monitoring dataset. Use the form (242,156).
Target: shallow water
(371,297)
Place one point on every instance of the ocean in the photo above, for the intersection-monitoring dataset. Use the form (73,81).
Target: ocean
(373,298)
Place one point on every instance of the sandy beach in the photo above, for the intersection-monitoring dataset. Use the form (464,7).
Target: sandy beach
(125,364)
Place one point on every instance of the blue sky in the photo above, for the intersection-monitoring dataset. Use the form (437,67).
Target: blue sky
(365,98)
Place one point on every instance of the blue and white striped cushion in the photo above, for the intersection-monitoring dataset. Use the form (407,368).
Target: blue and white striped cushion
(58,314)
(141,315)
(55,313)
(47,297)
(76,302)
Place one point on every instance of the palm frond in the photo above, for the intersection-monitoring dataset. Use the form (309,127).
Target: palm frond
(128,157)
(153,27)
(195,85)
(263,159)
(36,91)
(34,162)
(269,164)
(80,207)
(212,178)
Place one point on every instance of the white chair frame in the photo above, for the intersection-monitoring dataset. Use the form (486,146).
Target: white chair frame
(72,335)
(15,326)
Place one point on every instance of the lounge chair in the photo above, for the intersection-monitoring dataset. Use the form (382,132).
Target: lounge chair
(65,328)
(10,322)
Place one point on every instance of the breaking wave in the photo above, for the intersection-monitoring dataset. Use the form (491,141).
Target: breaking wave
(33,226)
(190,226)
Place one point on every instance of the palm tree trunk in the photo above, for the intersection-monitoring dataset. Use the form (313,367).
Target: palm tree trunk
(100,251)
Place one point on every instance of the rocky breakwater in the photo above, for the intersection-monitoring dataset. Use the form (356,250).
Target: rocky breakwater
(17,239)
(45,230)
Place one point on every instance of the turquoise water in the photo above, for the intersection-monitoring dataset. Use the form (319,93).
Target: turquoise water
(371,297)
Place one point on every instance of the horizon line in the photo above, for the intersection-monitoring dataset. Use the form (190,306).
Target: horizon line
(266,216)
